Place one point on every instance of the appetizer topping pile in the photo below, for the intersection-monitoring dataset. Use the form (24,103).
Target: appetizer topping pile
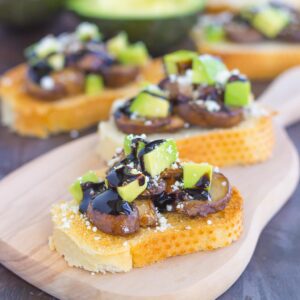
(80,62)
(254,24)
(146,180)
(198,90)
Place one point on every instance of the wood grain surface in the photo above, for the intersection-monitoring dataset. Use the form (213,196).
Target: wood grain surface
(273,272)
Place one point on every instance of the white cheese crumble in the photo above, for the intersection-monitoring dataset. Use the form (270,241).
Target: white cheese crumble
(97,238)
(209,222)
(47,83)
(49,44)
(212,106)
(94,229)
(188,227)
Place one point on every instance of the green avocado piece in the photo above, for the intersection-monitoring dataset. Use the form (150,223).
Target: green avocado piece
(132,190)
(271,21)
(237,93)
(206,68)
(135,54)
(128,144)
(87,31)
(214,33)
(76,190)
(57,61)
(93,84)
(117,44)
(160,158)
(177,62)
(150,106)
(193,172)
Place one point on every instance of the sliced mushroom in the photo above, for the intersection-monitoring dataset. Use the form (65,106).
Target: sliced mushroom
(242,32)
(112,215)
(119,75)
(196,114)
(291,33)
(158,125)
(147,213)
(220,194)
(63,83)
(154,189)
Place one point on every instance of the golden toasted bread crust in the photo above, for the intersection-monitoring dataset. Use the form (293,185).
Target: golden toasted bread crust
(96,251)
(257,64)
(237,146)
(250,142)
(33,117)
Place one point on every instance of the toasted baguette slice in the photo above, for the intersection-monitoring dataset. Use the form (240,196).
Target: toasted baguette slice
(250,142)
(32,117)
(237,5)
(96,251)
(258,61)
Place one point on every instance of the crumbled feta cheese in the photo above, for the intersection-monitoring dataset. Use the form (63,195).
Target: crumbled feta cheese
(212,106)
(173,78)
(148,123)
(47,83)
(169,207)
(97,238)
(94,229)
(188,227)
(49,44)
(209,222)
(224,183)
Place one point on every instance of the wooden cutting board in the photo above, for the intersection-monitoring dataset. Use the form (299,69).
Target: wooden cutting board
(28,193)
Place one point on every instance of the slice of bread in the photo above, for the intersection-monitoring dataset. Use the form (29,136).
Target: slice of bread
(237,5)
(33,117)
(82,245)
(250,142)
(260,61)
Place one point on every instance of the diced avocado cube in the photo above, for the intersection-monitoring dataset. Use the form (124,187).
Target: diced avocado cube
(206,69)
(46,46)
(155,90)
(271,21)
(214,33)
(93,84)
(127,143)
(160,158)
(150,106)
(193,172)
(57,61)
(136,54)
(76,190)
(132,190)
(238,93)
(179,61)
(88,31)
(117,44)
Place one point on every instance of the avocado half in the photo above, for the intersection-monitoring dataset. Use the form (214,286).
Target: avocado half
(19,13)
(159,24)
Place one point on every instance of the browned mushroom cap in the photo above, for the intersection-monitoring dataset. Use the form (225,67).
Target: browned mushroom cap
(154,189)
(198,115)
(147,213)
(72,80)
(158,125)
(220,195)
(119,75)
(121,224)
(291,33)
(65,83)
(242,33)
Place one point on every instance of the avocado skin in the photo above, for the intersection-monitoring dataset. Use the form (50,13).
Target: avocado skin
(159,34)
(20,13)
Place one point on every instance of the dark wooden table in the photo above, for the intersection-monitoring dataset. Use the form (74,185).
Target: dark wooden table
(274,271)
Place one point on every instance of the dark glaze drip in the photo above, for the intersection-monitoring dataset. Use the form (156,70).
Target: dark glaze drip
(109,202)
(123,174)
(233,78)
(197,194)
(90,191)
(166,199)
(37,71)
(203,182)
